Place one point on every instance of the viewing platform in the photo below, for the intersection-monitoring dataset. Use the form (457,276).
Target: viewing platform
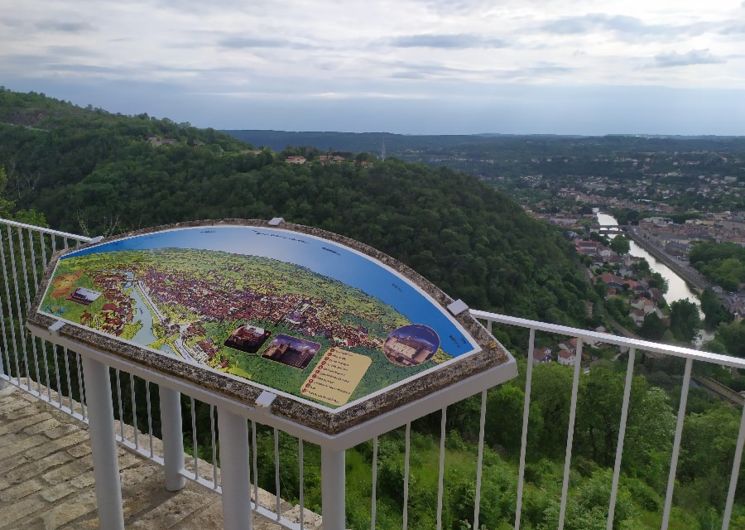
(47,479)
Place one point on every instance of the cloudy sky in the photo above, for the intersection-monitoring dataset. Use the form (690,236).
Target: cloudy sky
(411,66)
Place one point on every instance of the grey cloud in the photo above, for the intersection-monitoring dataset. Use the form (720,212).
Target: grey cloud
(620,24)
(455,6)
(64,26)
(669,60)
(260,42)
(531,72)
(547,68)
(434,71)
(22,60)
(737,28)
(85,69)
(68,51)
(425,71)
(446,41)
(11,22)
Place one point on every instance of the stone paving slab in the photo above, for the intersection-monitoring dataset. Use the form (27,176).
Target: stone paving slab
(46,478)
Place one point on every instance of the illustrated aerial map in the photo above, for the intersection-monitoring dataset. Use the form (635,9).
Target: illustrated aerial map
(293,312)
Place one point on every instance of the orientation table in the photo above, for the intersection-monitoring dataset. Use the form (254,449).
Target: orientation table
(295,327)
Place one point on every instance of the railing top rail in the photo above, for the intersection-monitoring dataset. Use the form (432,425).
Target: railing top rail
(50,231)
(607,338)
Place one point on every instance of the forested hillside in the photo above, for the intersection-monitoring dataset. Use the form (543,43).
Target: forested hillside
(92,171)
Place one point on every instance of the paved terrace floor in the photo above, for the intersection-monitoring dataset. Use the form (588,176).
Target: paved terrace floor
(46,478)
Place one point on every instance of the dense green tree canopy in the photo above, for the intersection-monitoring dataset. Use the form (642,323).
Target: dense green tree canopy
(620,245)
(684,320)
(714,312)
(722,263)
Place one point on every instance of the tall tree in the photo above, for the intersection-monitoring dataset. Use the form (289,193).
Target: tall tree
(620,245)
(684,320)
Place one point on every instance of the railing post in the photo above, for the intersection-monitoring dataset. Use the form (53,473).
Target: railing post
(173,439)
(3,382)
(236,492)
(333,487)
(103,444)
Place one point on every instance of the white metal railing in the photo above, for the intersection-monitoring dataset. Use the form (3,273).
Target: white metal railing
(54,374)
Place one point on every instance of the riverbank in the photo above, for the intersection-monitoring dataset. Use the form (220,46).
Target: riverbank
(692,277)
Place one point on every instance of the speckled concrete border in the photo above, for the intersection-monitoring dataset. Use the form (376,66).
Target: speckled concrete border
(492,354)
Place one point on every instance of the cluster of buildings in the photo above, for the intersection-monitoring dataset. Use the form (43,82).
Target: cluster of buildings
(644,187)
(326,159)
(299,160)
(564,352)
(617,273)
(676,239)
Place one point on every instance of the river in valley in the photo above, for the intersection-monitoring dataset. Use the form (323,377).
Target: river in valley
(677,288)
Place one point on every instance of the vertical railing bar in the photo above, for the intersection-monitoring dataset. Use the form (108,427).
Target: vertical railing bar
(10,312)
(8,370)
(277,499)
(735,473)
(252,507)
(149,417)
(24,267)
(524,434)
(374,492)
(407,451)
(214,447)
(489,328)
(301,480)
(81,386)
(54,348)
(254,462)
(56,375)
(69,380)
(621,437)
(441,474)
(479,461)
(34,274)
(676,444)
(3,371)
(67,365)
(119,400)
(18,302)
(194,437)
(570,433)
(133,399)
(36,288)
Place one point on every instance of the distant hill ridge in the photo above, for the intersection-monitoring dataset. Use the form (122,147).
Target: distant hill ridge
(92,171)
(530,145)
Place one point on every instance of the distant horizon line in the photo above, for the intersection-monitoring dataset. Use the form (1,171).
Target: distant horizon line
(198,123)
(489,134)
